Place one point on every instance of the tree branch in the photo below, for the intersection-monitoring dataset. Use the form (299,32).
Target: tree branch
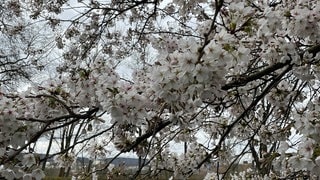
(244,113)
(244,80)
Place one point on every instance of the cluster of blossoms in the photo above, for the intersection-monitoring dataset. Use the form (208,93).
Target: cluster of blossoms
(238,71)
(15,134)
(182,164)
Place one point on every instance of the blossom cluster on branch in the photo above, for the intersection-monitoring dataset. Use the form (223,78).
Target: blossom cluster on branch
(242,74)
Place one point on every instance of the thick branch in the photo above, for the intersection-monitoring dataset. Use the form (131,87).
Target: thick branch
(244,80)
(314,49)
(145,136)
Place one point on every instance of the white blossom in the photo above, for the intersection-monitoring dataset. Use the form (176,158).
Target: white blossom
(38,174)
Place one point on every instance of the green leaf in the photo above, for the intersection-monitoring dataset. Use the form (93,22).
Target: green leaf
(233,26)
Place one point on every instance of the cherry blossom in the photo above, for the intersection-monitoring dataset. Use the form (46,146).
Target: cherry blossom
(228,80)
(38,174)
